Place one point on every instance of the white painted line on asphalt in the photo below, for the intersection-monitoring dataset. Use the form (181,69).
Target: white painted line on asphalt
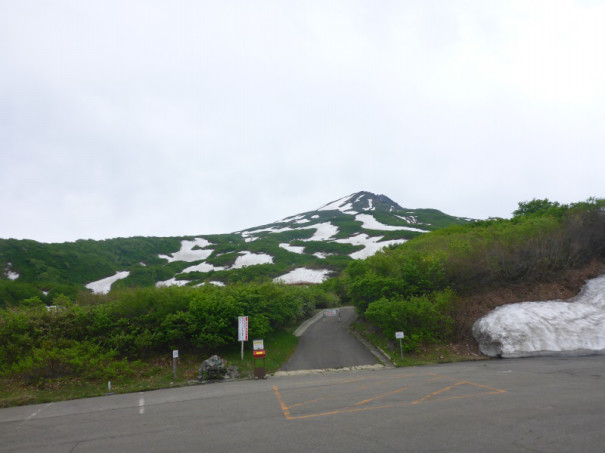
(141,405)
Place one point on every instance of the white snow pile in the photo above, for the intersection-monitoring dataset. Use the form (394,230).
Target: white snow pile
(189,252)
(574,327)
(103,286)
(303,275)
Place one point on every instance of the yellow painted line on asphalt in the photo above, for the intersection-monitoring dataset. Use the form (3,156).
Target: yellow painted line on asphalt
(438,395)
(381,396)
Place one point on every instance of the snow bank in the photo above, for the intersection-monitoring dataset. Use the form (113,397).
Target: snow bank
(303,275)
(187,252)
(323,231)
(202,267)
(525,329)
(103,286)
(293,248)
(370,223)
(172,282)
(250,259)
(10,274)
(338,205)
(371,245)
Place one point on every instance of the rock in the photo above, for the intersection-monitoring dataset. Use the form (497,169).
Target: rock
(215,368)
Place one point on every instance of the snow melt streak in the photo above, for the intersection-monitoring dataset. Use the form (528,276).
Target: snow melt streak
(546,328)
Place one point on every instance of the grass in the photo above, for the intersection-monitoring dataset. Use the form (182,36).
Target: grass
(153,373)
(427,355)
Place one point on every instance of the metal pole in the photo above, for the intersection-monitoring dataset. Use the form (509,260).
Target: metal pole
(174,367)
(242,350)
(401,347)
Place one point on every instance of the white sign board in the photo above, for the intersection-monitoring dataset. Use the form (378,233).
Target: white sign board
(175,354)
(398,335)
(242,328)
(258,345)
(331,312)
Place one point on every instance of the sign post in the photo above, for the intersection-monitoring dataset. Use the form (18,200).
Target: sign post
(242,331)
(258,352)
(399,336)
(175,356)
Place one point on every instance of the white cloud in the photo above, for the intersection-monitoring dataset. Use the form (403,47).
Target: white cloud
(199,117)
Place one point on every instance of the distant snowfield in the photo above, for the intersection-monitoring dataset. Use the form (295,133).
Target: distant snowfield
(293,248)
(370,223)
(303,275)
(187,252)
(575,327)
(10,274)
(103,286)
(251,259)
(323,231)
(202,267)
(172,282)
(370,243)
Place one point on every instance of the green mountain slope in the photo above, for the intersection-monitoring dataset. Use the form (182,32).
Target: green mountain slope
(304,248)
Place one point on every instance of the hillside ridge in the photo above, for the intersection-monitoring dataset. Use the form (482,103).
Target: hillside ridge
(303,248)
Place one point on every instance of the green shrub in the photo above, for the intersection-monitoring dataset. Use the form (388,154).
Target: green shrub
(423,319)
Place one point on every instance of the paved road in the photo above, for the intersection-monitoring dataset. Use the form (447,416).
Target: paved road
(516,405)
(328,344)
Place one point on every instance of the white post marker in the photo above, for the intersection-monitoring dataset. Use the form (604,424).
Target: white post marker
(175,356)
(242,331)
(399,336)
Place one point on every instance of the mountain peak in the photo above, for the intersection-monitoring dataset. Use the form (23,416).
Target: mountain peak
(362,201)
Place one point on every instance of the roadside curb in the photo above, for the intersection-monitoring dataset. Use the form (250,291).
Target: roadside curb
(327,370)
(308,323)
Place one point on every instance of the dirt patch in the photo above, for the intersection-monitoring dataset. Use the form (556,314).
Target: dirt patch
(477,305)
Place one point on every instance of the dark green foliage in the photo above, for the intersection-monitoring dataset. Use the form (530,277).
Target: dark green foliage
(536,207)
(423,319)
(80,339)
(400,285)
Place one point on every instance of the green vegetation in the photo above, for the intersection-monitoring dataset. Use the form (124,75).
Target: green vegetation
(413,287)
(124,336)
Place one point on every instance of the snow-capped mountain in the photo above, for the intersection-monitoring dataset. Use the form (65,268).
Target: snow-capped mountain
(303,248)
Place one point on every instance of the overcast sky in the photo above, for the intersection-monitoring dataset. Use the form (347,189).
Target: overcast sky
(166,118)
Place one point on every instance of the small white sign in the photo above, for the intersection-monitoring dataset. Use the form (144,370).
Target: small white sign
(331,312)
(398,335)
(242,328)
(258,345)
(175,354)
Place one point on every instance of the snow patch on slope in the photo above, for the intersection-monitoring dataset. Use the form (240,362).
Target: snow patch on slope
(293,248)
(202,267)
(371,245)
(172,282)
(187,252)
(103,286)
(323,231)
(370,223)
(338,205)
(10,274)
(251,259)
(554,327)
(303,275)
